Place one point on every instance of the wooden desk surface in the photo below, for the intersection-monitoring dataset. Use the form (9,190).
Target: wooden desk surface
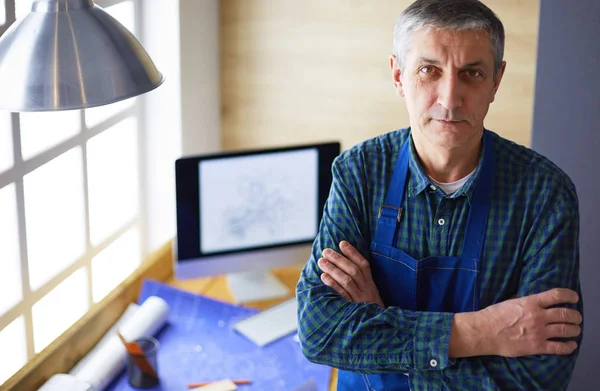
(216,287)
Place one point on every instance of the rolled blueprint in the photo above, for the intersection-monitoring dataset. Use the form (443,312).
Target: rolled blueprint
(107,359)
(62,382)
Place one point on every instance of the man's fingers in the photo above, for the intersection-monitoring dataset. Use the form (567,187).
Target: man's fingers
(330,282)
(563,315)
(354,255)
(557,296)
(562,330)
(340,276)
(343,263)
(560,348)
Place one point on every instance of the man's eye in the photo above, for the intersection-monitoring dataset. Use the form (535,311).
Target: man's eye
(426,70)
(473,73)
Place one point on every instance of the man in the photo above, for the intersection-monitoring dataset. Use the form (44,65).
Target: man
(447,256)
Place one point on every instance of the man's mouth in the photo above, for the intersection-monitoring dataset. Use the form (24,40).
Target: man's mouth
(447,122)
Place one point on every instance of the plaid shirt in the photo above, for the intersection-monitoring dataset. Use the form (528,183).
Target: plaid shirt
(531,245)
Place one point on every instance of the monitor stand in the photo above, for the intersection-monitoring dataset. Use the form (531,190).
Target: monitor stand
(255,285)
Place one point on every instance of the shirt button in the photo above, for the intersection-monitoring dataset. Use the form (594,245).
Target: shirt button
(433,187)
(433,363)
(441,221)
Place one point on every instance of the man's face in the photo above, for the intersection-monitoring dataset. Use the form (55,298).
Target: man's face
(448,83)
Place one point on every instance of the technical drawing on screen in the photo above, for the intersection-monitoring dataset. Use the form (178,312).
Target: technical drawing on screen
(245,212)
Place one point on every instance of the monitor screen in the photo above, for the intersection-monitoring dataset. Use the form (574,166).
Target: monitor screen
(251,209)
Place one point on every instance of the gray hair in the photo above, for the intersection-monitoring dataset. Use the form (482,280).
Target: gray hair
(456,15)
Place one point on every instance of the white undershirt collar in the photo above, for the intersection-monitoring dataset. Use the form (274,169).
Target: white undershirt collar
(452,187)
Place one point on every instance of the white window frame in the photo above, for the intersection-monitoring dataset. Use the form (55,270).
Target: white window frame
(22,167)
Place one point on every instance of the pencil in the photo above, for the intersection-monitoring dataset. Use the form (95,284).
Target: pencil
(236,382)
(138,356)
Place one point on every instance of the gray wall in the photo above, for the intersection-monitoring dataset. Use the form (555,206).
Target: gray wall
(566,129)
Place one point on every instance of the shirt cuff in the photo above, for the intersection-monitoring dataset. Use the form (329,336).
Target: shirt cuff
(432,341)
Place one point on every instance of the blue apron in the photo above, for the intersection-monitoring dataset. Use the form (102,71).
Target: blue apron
(436,283)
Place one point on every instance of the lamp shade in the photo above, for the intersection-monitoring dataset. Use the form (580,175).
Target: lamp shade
(71,54)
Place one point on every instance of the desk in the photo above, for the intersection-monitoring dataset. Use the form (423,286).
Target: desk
(216,287)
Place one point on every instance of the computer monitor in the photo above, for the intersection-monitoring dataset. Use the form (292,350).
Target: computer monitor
(250,211)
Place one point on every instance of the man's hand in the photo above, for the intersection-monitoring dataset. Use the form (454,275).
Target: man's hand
(349,275)
(518,327)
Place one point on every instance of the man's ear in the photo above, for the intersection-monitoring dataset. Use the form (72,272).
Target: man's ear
(497,80)
(396,73)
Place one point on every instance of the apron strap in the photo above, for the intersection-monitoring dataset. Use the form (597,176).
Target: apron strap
(477,221)
(390,212)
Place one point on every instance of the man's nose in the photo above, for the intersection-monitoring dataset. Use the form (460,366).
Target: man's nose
(449,94)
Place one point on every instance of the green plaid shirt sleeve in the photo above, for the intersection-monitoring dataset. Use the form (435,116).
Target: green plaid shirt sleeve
(551,259)
(531,246)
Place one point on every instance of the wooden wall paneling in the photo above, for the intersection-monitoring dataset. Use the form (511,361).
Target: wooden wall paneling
(314,71)
(511,115)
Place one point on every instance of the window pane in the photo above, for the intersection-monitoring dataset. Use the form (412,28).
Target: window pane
(59,309)
(115,263)
(96,115)
(54,215)
(22,8)
(124,12)
(13,350)
(10,272)
(40,131)
(113,179)
(6,145)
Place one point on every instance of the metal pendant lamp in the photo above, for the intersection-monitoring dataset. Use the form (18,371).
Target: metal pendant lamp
(71,54)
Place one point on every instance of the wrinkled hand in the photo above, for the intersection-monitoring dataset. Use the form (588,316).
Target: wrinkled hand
(524,326)
(349,274)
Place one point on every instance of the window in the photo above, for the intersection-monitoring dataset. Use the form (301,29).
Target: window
(10,278)
(22,8)
(6,144)
(12,339)
(76,197)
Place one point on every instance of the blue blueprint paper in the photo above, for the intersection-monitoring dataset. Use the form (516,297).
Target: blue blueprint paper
(199,344)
